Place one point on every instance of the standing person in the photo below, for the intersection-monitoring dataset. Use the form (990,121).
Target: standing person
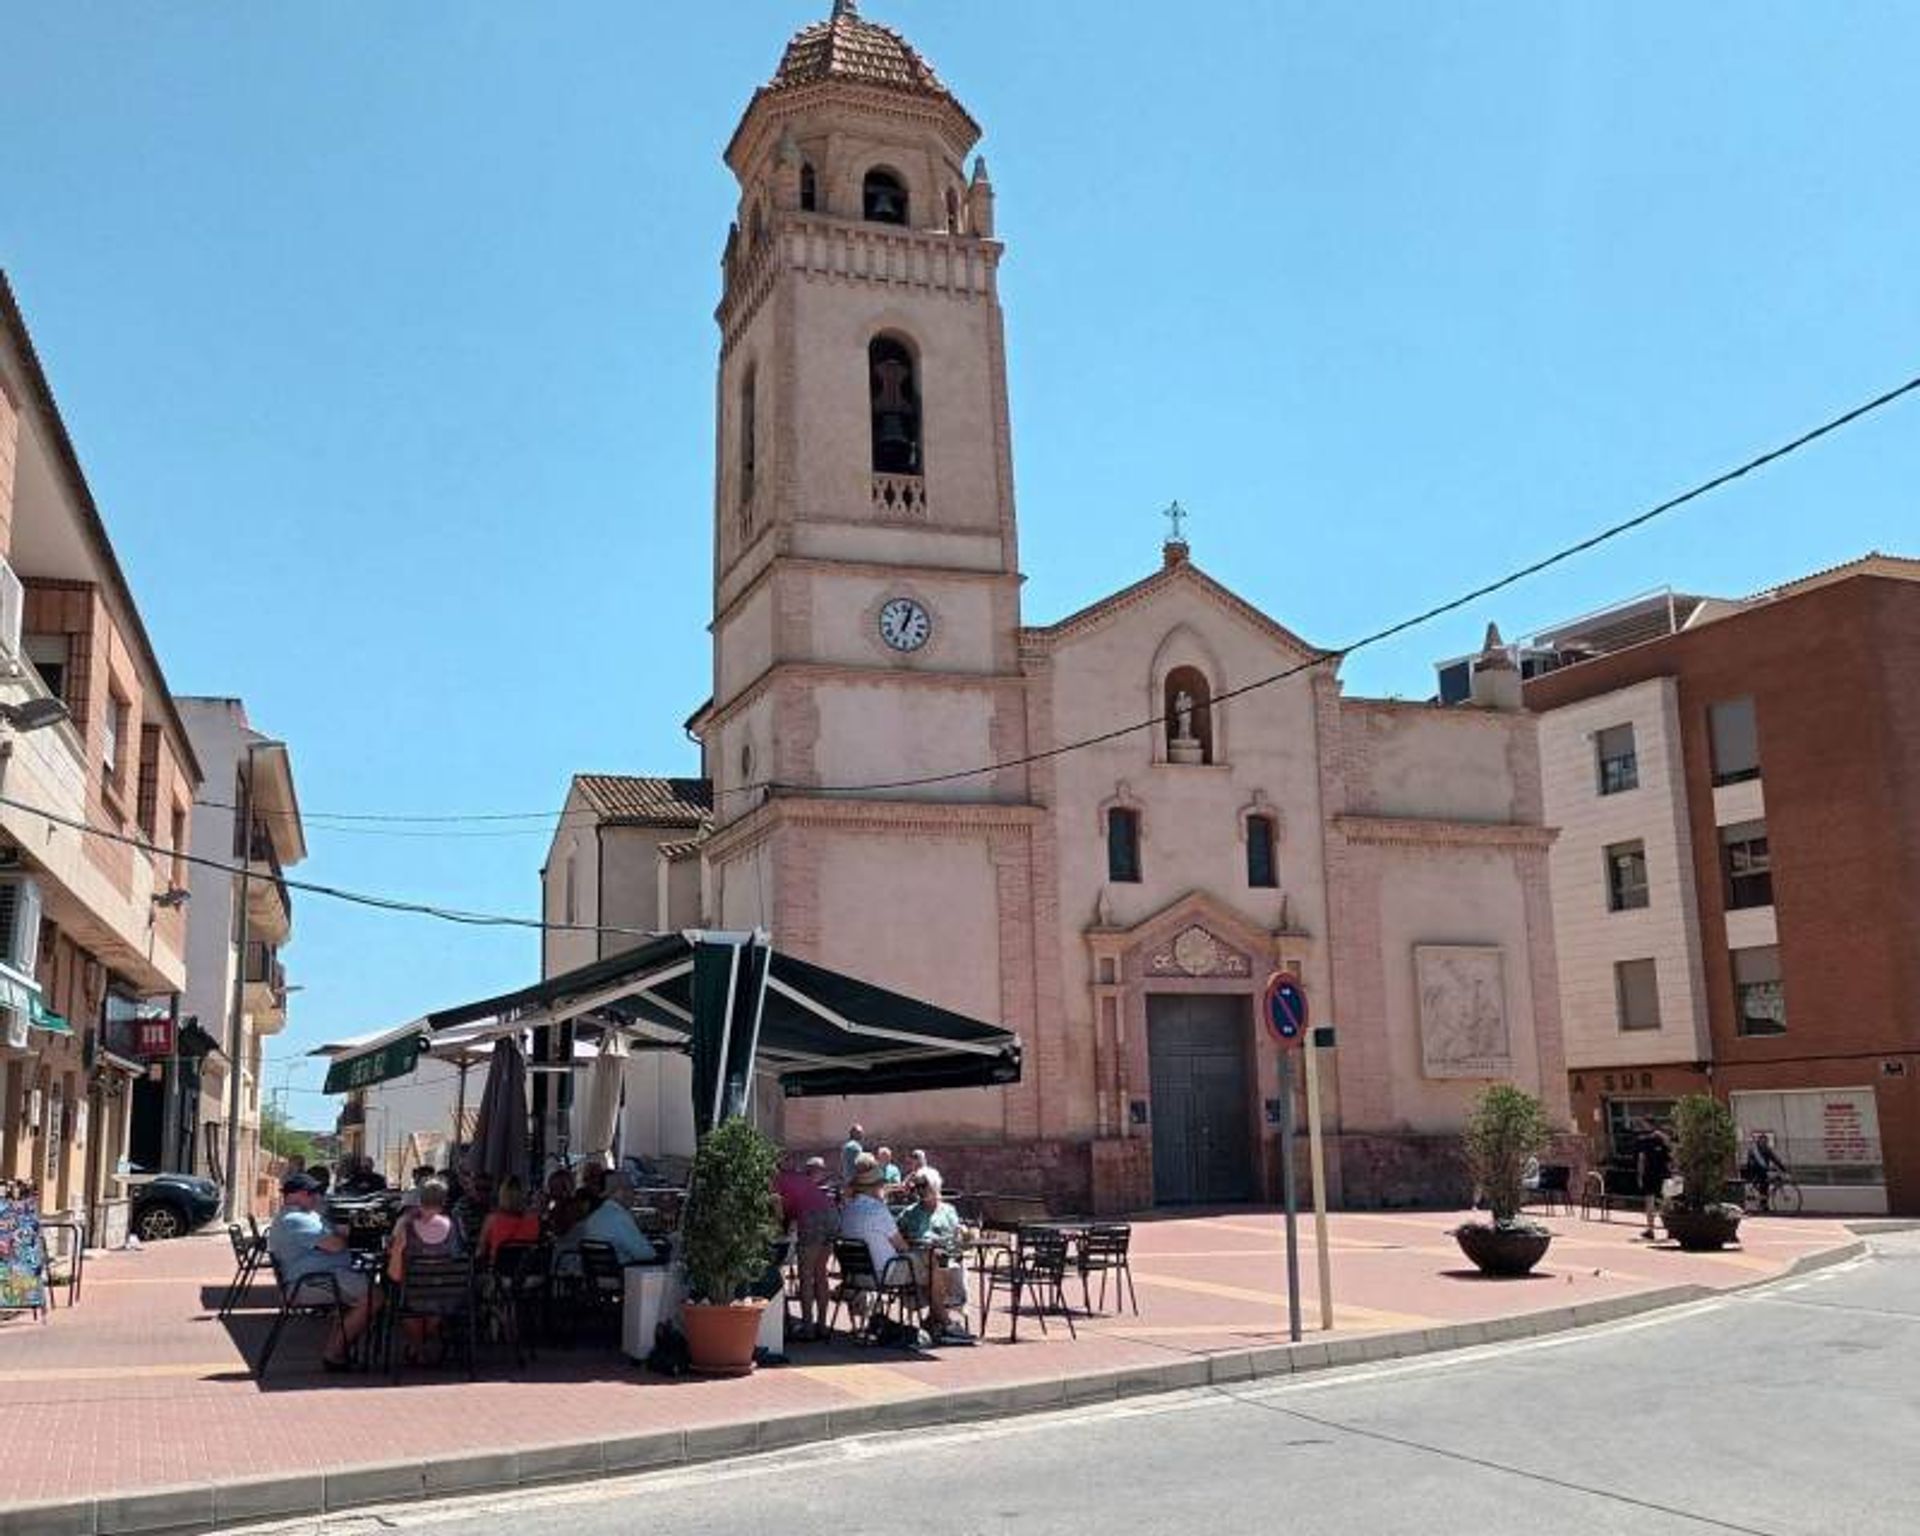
(1654,1159)
(1759,1167)
(807,1210)
(301,1246)
(854,1149)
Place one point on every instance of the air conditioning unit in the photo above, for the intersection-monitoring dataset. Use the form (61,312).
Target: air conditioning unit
(13,610)
(20,924)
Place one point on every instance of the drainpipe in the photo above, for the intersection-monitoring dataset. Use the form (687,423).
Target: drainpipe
(236,1018)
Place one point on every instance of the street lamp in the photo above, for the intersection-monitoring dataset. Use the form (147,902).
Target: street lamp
(33,714)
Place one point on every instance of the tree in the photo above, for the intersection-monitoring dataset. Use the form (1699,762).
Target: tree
(281,1139)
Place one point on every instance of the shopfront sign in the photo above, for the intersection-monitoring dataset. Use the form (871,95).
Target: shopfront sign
(153,1037)
(395,1059)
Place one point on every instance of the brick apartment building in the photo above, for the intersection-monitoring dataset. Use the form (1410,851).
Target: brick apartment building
(1736,883)
(92,932)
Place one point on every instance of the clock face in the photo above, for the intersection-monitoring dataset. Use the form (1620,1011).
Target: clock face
(905,625)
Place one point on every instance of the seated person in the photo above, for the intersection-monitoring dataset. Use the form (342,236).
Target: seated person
(471,1209)
(560,1211)
(301,1246)
(610,1222)
(889,1169)
(917,1163)
(362,1178)
(424,1232)
(865,1217)
(509,1222)
(932,1229)
(411,1196)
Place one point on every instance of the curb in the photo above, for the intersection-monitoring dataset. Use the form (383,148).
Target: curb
(209,1507)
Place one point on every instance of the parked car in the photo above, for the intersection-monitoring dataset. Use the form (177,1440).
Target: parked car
(171,1205)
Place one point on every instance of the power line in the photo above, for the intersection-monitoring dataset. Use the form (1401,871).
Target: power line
(357,898)
(1567,552)
(1377,637)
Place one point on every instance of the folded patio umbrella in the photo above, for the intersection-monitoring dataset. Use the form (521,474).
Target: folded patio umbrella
(604,1081)
(500,1133)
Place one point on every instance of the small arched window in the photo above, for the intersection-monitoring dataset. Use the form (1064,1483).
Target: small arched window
(883,197)
(953,212)
(749,433)
(809,188)
(895,394)
(1262,869)
(1189,716)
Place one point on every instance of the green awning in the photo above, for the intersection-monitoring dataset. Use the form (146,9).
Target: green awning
(47,1019)
(394,1059)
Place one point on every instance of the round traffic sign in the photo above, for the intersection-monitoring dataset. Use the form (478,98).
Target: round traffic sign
(1284,1007)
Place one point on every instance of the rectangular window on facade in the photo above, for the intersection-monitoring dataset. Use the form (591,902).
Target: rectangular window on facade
(1734,740)
(1618,766)
(1626,877)
(49,655)
(1748,866)
(1636,987)
(1261,872)
(113,740)
(147,795)
(1123,846)
(1759,1001)
(177,841)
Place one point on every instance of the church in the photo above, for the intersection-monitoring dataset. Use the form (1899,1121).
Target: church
(1083,830)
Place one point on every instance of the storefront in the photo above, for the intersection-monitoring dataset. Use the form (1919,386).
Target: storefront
(1828,1137)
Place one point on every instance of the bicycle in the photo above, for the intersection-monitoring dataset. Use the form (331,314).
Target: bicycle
(1781,1197)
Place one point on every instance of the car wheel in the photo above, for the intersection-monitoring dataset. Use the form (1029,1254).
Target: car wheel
(159,1222)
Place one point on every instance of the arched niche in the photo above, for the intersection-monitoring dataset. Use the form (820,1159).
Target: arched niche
(1185,664)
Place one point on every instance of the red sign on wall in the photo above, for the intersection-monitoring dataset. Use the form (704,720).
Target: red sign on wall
(153,1037)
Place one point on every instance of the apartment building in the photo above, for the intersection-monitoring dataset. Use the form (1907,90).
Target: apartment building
(249,818)
(1736,882)
(92,926)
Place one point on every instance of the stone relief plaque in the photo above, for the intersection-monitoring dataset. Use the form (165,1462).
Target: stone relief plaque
(1196,952)
(1462,991)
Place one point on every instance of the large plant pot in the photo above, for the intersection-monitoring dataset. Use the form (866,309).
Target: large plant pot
(720,1340)
(1701,1231)
(1504,1251)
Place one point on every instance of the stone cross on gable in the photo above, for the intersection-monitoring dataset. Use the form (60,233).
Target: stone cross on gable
(1176,516)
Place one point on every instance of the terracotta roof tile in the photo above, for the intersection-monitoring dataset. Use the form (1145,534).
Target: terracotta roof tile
(846,47)
(648,802)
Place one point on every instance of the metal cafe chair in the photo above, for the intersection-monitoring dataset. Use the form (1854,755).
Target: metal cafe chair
(1103,1251)
(1034,1268)
(314,1295)
(892,1291)
(249,1253)
(438,1288)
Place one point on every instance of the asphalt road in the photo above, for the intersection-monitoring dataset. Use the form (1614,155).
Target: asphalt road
(1792,1409)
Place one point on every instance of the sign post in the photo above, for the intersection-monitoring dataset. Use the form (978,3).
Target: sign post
(1317,1161)
(1284,1007)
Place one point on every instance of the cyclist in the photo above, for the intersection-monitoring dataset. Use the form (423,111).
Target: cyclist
(1759,1168)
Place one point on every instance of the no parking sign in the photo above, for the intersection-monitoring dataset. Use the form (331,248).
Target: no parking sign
(1284,1007)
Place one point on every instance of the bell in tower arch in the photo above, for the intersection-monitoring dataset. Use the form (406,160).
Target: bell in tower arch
(896,408)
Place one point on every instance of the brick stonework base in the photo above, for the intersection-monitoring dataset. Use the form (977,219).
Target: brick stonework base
(1059,1172)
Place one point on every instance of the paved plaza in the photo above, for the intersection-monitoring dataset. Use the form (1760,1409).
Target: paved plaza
(141,1387)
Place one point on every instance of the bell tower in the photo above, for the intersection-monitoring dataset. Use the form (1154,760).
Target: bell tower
(866,587)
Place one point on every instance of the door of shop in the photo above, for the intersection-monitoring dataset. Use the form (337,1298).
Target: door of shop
(1197,1049)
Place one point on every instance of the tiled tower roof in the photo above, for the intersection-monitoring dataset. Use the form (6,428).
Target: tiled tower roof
(846,47)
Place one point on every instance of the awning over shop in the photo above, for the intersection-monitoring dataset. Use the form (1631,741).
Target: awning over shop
(739,1006)
(45,1018)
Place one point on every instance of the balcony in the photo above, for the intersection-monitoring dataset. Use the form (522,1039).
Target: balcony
(269,911)
(264,998)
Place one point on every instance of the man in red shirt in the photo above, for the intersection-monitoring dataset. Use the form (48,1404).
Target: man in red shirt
(807,1209)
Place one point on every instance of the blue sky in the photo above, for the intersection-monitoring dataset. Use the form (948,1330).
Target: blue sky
(385,334)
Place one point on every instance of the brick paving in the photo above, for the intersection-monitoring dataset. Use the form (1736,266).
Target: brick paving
(141,1387)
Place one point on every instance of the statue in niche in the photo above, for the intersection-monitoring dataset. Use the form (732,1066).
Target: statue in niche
(1183,746)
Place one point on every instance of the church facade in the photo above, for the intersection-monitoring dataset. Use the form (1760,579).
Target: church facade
(897,786)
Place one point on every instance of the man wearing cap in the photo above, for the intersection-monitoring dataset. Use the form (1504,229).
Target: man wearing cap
(807,1210)
(301,1247)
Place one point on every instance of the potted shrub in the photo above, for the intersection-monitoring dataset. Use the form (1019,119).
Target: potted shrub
(725,1240)
(1506,1129)
(1704,1142)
